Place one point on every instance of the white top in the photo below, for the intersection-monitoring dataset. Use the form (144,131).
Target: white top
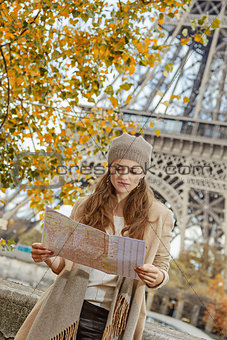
(101,286)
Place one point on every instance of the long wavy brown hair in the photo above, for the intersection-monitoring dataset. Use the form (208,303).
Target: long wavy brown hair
(97,209)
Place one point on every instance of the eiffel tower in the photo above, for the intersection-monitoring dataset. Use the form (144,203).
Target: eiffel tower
(190,156)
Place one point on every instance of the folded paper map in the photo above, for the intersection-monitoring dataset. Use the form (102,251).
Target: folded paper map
(91,247)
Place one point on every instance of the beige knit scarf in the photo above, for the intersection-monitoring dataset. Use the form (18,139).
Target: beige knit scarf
(58,317)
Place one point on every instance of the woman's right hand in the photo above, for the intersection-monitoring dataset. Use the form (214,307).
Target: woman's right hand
(40,253)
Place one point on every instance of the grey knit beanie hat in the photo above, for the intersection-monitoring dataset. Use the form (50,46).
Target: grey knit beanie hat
(131,147)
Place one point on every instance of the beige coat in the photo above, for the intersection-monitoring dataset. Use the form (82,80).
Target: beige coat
(157,237)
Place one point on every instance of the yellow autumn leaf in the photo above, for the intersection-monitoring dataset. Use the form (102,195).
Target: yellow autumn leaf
(105,164)
(2,241)
(9,35)
(155,41)
(110,111)
(87,121)
(49,148)
(131,69)
(96,52)
(114,101)
(81,140)
(157,132)
(173,96)
(133,132)
(68,108)
(184,41)
(108,129)
(197,38)
(42,215)
(128,98)
(186,99)
(48,138)
(68,151)
(151,124)
(216,23)
(33,72)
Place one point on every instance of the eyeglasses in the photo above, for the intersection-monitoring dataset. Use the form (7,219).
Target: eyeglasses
(124,170)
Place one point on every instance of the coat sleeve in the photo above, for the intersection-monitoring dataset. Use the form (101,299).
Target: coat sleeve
(162,256)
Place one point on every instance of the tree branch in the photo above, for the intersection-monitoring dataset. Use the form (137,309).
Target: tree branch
(120,5)
(8,89)
(146,2)
(32,22)
(11,197)
(8,214)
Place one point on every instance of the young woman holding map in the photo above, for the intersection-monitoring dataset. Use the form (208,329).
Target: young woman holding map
(85,303)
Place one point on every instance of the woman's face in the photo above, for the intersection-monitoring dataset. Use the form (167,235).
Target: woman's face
(125,176)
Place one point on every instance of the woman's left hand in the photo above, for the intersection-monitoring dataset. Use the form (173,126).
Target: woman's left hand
(150,274)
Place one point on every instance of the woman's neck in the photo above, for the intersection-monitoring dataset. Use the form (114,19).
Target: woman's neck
(118,210)
(118,213)
(121,198)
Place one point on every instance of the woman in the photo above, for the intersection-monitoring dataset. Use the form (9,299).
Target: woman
(85,303)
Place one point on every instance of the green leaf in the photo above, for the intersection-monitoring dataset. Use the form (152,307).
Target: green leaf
(75,13)
(56,55)
(201,21)
(128,62)
(109,90)
(85,17)
(25,24)
(126,86)
(27,37)
(42,71)
(171,15)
